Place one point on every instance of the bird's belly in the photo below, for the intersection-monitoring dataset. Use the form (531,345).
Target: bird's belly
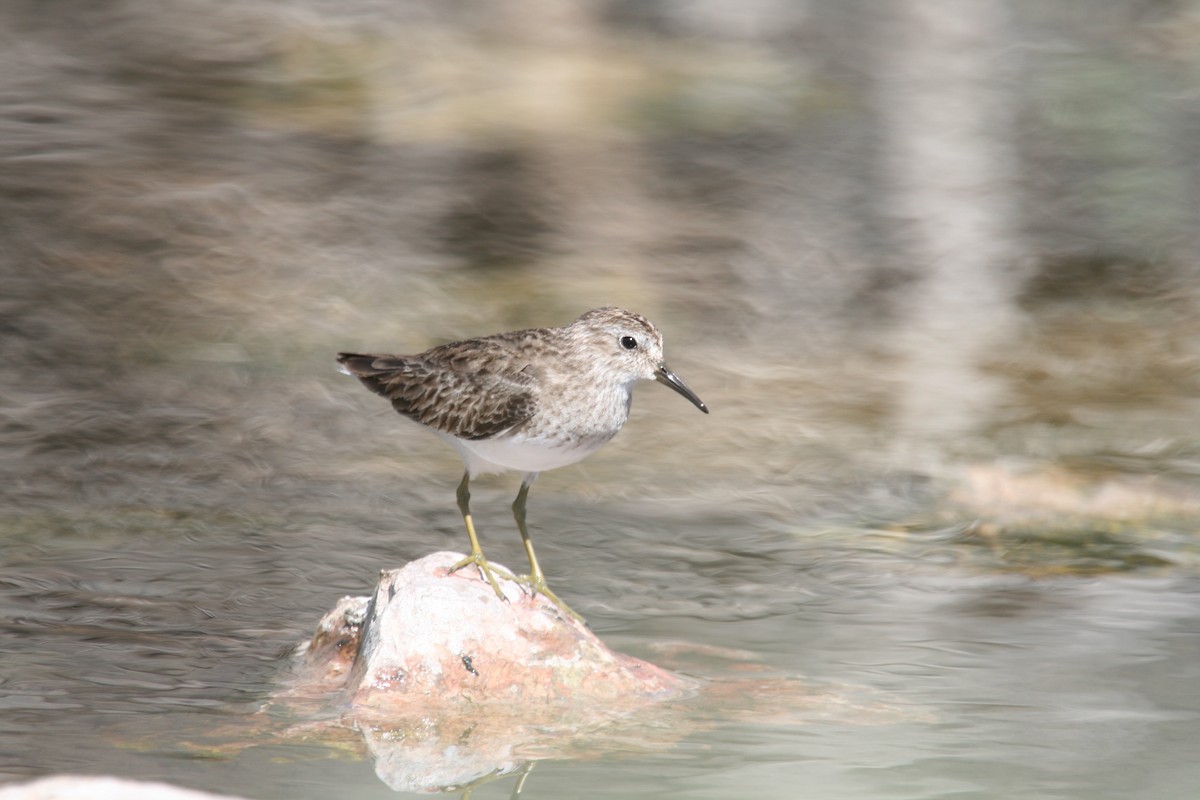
(524,453)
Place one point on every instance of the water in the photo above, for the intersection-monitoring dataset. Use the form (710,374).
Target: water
(938,532)
(145,650)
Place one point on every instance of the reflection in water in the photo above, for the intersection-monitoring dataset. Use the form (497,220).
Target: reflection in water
(407,764)
(946,100)
(201,202)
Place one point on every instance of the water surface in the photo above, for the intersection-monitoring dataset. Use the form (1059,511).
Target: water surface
(934,274)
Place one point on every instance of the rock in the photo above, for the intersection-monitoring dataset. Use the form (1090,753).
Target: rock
(97,787)
(330,653)
(449,685)
(429,639)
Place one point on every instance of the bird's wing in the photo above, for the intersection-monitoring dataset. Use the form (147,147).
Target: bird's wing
(449,389)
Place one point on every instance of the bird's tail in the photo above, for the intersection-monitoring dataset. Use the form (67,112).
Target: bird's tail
(373,370)
(355,364)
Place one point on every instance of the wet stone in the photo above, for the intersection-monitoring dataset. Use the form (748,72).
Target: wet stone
(428,638)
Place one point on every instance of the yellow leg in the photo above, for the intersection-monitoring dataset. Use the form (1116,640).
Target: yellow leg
(536,579)
(476,556)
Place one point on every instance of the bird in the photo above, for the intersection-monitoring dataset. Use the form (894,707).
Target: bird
(526,401)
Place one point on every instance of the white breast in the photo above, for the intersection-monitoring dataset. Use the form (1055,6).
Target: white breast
(574,419)
(523,453)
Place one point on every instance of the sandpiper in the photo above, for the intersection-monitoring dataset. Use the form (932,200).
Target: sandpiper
(528,401)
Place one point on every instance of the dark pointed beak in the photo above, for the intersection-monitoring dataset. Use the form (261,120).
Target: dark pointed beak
(668,378)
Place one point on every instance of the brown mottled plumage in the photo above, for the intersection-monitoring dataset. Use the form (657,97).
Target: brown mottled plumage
(465,389)
(527,400)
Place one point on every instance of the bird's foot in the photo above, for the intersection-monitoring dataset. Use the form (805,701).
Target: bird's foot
(537,585)
(487,571)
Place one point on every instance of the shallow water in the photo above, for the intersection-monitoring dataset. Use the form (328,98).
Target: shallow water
(142,647)
(943,311)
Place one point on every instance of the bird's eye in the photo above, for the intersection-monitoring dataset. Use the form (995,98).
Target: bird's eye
(629,343)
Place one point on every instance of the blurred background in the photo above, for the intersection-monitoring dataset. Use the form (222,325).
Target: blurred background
(931,263)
